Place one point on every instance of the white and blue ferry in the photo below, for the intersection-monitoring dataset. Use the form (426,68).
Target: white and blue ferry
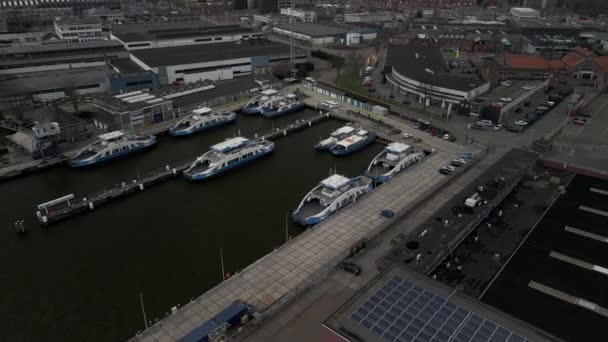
(352,143)
(331,195)
(227,155)
(334,137)
(258,103)
(395,158)
(200,120)
(111,145)
(282,104)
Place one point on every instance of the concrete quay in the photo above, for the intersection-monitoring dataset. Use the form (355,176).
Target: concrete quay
(278,278)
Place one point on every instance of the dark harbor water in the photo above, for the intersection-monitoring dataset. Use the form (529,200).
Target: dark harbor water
(80,279)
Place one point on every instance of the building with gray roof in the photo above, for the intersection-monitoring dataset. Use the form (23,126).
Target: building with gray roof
(422,73)
(192,63)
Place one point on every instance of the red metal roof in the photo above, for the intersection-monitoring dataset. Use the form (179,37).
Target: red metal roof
(525,61)
(583,51)
(602,62)
(556,64)
(572,59)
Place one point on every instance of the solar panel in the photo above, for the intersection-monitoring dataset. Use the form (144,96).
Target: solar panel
(401,311)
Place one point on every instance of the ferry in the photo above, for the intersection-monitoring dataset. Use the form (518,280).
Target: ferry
(352,143)
(334,137)
(282,104)
(200,120)
(395,158)
(110,146)
(331,195)
(227,155)
(257,104)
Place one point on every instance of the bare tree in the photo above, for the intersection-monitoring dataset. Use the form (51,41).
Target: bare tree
(70,93)
(16,109)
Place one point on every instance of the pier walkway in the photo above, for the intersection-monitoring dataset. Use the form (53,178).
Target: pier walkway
(280,277)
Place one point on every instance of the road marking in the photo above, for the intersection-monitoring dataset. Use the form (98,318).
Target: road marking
(579,263)
(586,234)
(569,298)
(599,191)
(592,210)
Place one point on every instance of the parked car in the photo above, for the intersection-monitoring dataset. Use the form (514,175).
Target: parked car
(580,121)
(506,99)
(515,128)
(407,136)
(498,127)
(351,267)
(447,170)
(406,102)
(387,213)
(469,156)
(528,103)
(458,162)
(542,108)
(550,103)
(521,123)
(506,83)
(518,110)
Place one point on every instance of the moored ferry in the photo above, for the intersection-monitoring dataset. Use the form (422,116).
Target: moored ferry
(331,195)
(334,137)
(227,155)
(353,142)
(395,158)
(109,146)
(201,119)
(258,103)
(282,104)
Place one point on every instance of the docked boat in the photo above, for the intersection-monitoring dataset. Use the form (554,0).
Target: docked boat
(353,142)
(227,155)
(334,137)
(200,120)
(258,103)
(331,195)
(282,104)
(395,158)
(109,146)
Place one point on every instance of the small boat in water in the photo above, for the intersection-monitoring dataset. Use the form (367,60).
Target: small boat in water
(257,104)
(331,195)
(334,137)
(111,145)
(227,155)
(353,142)
(282,104)
(200,120)
(395,158)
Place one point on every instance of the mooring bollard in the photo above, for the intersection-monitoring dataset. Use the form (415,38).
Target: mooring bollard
(174,171)
(141,186)
(91,205)
(285,133)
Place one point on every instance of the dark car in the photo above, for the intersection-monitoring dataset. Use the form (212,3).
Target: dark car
(515,128)
(351,267)
(387,213)
(518,110)
(527,103)
(406,102)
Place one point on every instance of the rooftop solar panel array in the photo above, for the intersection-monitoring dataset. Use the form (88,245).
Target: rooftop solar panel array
(402,311)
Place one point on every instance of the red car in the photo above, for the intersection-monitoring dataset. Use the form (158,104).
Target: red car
(580,121)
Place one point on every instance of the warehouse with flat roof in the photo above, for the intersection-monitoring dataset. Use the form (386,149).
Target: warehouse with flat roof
(318,34)
(224,61)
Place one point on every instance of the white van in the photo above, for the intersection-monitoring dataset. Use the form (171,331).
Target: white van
(485,123)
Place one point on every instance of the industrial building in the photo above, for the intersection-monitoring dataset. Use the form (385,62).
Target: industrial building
(522,13)
(422,73)
(401,304)
(318,34)
(302,15)
(146,36)
(79,30)
(186,64)
(131,110)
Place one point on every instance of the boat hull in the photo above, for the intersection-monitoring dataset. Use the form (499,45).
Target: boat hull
(354,147)
(203,175)
(251,110)
(122,154)
(187,131)
(274,113)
